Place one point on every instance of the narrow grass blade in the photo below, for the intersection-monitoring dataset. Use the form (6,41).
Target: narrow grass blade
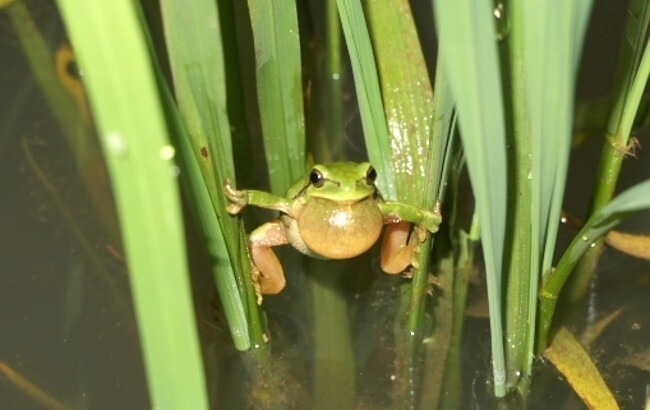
(125,101)
(635,94)
(632,200)
(408,104)
(468,46)
(366,83)
(553,111)
(551,44)
(222,265)
(407,99)
(416,151)
(279,89)
(196,59)
(632,48)
(522,254)
(632,76)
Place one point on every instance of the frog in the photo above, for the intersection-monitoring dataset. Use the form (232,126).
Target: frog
(334,211)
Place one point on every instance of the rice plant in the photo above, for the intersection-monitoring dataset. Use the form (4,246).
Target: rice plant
(252,96)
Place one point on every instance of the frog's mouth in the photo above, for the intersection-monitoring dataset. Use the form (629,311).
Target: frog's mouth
(343,200)
(347,194)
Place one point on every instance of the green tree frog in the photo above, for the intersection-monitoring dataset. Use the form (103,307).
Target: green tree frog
(333,212)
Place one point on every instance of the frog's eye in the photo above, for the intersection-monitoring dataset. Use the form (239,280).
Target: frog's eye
(371,175)
(316,178)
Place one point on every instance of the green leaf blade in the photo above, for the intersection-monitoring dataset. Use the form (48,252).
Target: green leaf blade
(279,89)
(632,200)
(126,104)
(468,45)
(196,59)
(551,39)
(368,91)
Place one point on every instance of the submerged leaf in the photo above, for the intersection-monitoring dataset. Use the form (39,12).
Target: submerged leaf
(633,245)
(30,389)
(595,330)
(570,359)
(640,360)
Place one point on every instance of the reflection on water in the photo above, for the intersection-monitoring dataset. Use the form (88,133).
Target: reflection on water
(67,324)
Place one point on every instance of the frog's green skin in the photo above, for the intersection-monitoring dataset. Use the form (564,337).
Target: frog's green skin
(333,212)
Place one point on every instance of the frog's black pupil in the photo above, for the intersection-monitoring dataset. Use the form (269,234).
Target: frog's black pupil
(371,175)
(316,178)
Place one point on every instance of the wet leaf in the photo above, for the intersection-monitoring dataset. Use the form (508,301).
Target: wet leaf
(570,359)
(633,245)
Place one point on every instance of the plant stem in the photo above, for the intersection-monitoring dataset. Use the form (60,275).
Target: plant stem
(520,275)
(632,200)
(616,145)
(334,80)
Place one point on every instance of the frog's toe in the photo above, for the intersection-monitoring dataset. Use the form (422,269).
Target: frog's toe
(233,209)
(409,272)
(238,199)
(432,222)
(255,274)
(421,233)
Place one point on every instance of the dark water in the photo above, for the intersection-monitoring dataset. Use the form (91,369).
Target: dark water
(67,325)
(65,315)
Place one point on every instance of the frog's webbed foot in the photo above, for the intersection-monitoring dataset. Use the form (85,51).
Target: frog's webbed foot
(238,199)
(400,246)
(267,272)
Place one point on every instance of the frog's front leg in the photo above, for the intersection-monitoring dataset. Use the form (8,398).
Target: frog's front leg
(396,211)
(399,244)
(268,274)
(241,198)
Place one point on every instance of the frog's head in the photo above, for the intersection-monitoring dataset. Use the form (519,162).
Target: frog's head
(342,181)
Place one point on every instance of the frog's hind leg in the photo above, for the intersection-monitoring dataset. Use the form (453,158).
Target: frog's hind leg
(268,274)
(397,248)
